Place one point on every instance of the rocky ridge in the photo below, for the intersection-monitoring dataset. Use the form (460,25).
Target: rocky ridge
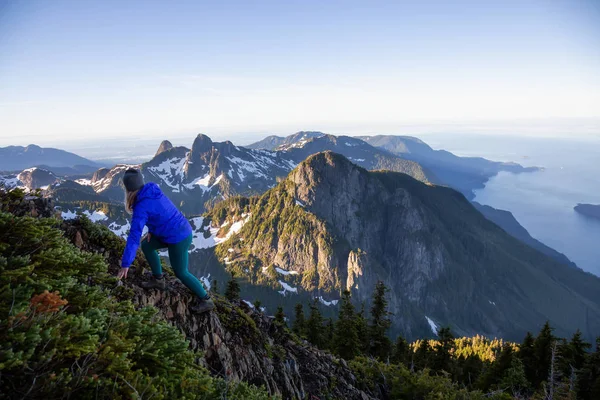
(238,342)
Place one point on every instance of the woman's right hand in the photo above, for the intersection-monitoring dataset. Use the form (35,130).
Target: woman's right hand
(122,273)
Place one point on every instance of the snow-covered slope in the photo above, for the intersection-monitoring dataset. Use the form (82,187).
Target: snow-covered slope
(206,173)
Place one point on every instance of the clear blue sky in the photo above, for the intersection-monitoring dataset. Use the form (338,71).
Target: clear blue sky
(79,69)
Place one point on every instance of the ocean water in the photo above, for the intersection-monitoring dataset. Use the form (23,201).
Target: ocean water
(542,201)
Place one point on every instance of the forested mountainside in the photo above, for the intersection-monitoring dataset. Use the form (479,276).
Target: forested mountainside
(332,225)
(69,329)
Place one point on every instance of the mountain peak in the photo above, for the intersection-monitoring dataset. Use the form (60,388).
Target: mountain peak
(202,144)
(165,145)
(33,147)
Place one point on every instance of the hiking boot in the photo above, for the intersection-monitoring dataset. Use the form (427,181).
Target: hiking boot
(202,305)
(155,284)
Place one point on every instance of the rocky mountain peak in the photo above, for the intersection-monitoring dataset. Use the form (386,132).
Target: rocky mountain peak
(202,144)
(164,146)
(34,178)
(100,174)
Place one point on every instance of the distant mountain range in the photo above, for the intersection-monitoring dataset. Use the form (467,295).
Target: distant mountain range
(17,158)
(462,173)
(331,225)
(303,222)
(208,172)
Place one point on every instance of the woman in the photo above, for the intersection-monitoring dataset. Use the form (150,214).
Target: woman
(167,228)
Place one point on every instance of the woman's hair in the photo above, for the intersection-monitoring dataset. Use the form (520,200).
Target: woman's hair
(130,200)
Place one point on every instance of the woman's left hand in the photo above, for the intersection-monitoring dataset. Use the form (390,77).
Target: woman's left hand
(122,273)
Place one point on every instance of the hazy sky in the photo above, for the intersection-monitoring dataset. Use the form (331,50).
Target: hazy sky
(83,69)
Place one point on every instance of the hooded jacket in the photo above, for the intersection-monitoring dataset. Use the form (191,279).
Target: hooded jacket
(153,209)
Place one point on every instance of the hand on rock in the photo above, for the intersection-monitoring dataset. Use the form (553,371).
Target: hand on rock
(122,273)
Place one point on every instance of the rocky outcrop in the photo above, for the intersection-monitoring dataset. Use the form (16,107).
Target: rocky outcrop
(33,206)
(35,178)
(100,174)
(164,146)
(238,343)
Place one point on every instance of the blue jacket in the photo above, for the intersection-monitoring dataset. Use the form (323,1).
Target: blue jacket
(164,221)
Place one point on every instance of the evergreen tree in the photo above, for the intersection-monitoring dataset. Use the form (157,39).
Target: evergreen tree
(578,350)
(299,325)
(422,356)
(543,353)
(257,305)
(527,356)
(443,349)
(314,326)
(379,343)
(401,351)
(280,317)
(346,343)
(232,292)
(214,287)
(329,332)
(493,375)
(514,378)
(588,384)
(362,330)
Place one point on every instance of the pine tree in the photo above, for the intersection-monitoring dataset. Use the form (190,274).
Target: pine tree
(588,385)
(299,325)
(543,353)
(422,356)
(527,356)
(214,287)
(379,343)
(578,349)
(401,351)
(329,332)
(314,326)
(257,305)
(443,349)
(362,330)
(280,317)
(232,292)
(514,378)
(346,343)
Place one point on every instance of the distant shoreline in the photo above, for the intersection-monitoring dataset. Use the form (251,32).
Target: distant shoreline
(589,210)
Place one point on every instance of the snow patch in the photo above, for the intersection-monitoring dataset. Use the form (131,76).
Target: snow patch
(200,242)
(120,230)
(284,272)
(432,325)
(203,183)
(206,281)
(287,288)
(327,303)
(84,182)
(94,216)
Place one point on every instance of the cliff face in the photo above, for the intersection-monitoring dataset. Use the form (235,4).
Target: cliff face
(238,342)
(332,225)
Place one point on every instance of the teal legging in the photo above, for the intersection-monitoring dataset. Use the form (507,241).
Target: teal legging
(178,256)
